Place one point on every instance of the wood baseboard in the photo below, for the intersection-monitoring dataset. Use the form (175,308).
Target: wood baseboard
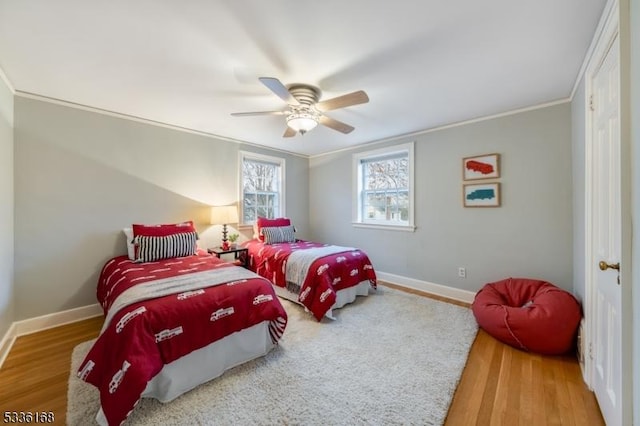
(424,294)
(446,292)
(44,322)
(7,342)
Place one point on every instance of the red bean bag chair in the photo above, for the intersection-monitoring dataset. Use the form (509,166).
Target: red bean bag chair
(528,314)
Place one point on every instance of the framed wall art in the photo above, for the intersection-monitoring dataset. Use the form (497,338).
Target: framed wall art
(481,194)
(481,167)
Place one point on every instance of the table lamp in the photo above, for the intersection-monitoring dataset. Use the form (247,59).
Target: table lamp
(222,215)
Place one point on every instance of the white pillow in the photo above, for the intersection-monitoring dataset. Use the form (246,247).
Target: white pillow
(128,234)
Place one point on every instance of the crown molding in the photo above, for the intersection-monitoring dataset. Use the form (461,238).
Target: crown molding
(96,110)
(445,127)
(62,102)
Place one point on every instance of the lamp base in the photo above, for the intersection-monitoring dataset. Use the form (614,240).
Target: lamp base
(224,232)
(225,241)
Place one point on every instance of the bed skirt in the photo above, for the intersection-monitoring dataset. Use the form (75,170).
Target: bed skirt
(343,297)
(206,364)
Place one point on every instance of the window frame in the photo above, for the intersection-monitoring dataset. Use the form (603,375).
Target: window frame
(280,162)
(358,220)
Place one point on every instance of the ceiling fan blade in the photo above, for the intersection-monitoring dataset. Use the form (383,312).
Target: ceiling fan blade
(289,133)
(354,98)
(335,124)
(243,114)
(279,89)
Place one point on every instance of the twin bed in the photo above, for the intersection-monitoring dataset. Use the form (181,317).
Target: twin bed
(321,277)
(177,317)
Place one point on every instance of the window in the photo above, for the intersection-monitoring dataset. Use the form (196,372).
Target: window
(383,188)
(261,186)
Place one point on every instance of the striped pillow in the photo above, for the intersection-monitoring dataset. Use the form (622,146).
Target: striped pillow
(278,234)
(152,248)
(263,222)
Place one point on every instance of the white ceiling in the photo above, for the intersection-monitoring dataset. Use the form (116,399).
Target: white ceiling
(423,63)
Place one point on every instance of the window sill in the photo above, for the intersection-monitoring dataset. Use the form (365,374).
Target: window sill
(404,228)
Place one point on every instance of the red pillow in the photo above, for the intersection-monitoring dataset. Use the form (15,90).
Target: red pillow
(162,230)
(263,222)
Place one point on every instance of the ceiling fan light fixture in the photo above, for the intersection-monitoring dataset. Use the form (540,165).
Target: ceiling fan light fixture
(302,121)
(304,112)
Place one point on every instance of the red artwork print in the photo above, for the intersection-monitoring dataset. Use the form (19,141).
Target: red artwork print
(480,167)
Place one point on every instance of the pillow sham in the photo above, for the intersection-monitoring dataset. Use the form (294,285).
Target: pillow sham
(279,234)
(162,230)
(150,248)
(128,234)
(263,222)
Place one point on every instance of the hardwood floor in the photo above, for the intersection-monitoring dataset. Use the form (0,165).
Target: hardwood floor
(35,374)
(499,386)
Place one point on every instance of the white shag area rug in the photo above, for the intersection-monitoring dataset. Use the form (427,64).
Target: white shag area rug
(389,358)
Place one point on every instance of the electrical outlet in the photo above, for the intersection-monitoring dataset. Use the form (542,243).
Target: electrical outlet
(462,273)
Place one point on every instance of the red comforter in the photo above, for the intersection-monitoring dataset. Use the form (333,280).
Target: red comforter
(326,275)
(160,311)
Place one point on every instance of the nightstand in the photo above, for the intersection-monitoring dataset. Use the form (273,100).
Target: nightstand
(240,254)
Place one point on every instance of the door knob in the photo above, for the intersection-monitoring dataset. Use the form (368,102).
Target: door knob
(604,266)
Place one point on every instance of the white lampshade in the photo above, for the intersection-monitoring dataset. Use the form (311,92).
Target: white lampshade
(222,215)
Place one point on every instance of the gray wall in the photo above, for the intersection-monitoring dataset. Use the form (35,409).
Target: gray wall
(80,177)
(634,71)
(529,236)
(6,208)
(626,261)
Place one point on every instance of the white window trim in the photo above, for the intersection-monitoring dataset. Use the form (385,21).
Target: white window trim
(359,222)
(242,155)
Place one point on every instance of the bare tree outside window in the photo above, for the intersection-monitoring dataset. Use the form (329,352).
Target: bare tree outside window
(261,189)
(385,194)
(383,188)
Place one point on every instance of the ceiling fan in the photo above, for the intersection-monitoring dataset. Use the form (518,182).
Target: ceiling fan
(304,112)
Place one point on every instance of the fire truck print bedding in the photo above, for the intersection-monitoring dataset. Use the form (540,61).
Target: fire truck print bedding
(313,273)
(158,312)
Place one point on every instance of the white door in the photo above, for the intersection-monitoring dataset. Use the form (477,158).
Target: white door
(606,236)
